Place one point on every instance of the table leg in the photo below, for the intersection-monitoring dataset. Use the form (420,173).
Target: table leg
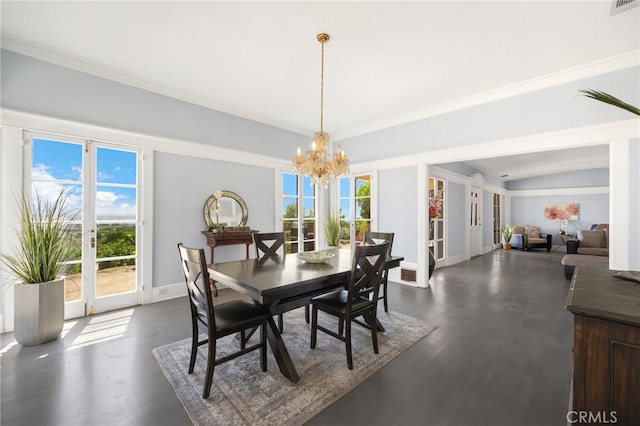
(280,352)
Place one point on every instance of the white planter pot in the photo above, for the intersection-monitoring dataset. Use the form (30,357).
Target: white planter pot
(39,312)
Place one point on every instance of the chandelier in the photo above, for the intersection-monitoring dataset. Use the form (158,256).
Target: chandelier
(315,162)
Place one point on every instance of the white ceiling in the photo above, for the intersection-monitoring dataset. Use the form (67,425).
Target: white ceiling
(386,63)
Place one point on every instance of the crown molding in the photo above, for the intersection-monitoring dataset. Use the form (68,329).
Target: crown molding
(61,127)
(627,60)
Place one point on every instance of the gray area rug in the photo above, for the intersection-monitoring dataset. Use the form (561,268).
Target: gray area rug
(243,395)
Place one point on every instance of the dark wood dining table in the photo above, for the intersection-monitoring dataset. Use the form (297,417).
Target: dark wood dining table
(282,283)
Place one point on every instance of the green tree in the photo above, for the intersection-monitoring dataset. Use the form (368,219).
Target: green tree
(364,200)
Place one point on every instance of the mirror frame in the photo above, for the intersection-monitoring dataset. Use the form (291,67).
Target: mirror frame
(208,207)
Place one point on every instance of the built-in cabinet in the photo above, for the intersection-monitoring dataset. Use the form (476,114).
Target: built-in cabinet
(606,348)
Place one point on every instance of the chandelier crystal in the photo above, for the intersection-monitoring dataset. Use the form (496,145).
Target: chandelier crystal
(317,163)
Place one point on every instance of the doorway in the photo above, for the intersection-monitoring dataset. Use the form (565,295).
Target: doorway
(102,183)
(476,222)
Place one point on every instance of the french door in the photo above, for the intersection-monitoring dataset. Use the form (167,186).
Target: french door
(475,198)
(355,207)
(102,185)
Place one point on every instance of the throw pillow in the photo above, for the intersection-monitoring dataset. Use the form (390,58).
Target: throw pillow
(592,239)
(532,231)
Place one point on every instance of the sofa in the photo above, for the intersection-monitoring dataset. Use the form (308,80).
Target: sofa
(594,242)
(590,249)
(529,237)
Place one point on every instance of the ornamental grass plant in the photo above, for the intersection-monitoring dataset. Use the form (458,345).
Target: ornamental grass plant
(332,231)
(44,243)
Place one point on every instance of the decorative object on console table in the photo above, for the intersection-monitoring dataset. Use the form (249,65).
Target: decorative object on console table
(225,214)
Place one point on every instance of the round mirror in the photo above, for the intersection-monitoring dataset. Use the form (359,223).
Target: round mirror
(225,208)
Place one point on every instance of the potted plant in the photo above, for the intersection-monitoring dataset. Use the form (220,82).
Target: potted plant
(332,231)
(507,233)
(37,263)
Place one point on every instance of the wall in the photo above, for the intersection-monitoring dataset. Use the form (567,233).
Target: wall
(184,183)
(542,111)
(51,90)
(394,206)
(529,210)
(574,179)
(456,217)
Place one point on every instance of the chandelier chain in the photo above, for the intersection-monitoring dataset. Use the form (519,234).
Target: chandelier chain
(322,89)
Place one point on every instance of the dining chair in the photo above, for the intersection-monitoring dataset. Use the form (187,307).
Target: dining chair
(371,237)
(217,321)
(270,245)
(359,299)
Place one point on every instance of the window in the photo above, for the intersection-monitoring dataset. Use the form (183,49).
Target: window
(299,210)
(354,203)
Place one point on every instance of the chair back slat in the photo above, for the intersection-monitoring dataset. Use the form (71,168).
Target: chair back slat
(371,237)
(269,244)
(366,272)
(196,275)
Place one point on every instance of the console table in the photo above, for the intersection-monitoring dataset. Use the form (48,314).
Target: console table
(606,345)
(228,238)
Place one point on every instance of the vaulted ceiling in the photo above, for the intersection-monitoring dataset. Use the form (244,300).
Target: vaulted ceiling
(386,62)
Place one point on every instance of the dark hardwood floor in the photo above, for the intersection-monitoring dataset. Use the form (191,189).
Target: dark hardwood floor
(501,356)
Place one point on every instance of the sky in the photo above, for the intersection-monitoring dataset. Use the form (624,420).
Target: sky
(58,164)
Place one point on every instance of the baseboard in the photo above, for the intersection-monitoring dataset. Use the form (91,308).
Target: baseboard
(172,291)
(394,276)
(169,291)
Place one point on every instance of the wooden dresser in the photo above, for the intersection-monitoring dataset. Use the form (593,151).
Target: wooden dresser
(606,347)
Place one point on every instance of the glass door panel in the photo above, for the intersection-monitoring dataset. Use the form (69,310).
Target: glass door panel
(101,183)
(116,225)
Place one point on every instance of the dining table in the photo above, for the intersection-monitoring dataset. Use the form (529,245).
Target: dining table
(285,282)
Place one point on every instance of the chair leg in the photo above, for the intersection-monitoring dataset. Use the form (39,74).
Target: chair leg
(314,327)
(280,323)
(243,339)
(194,348)
(348,343)
(211,363)
(340,326)
(306,314)
(263,348)
(374,333)
(384,288)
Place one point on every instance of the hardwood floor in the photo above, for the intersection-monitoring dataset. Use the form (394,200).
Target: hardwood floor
(501,356)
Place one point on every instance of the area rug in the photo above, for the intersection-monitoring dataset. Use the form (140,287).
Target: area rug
(243,395)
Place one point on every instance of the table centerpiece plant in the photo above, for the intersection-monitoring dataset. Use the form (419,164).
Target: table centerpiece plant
(332,231)
(37,263)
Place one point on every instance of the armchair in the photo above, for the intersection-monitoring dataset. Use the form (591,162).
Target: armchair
(530,237)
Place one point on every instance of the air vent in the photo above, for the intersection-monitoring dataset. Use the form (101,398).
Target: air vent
(618,6)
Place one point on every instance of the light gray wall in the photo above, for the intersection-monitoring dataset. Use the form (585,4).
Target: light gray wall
(183,184)
(51,90)
(574,179)
(397,209)
(456,202)
(530,211)
(542,111)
